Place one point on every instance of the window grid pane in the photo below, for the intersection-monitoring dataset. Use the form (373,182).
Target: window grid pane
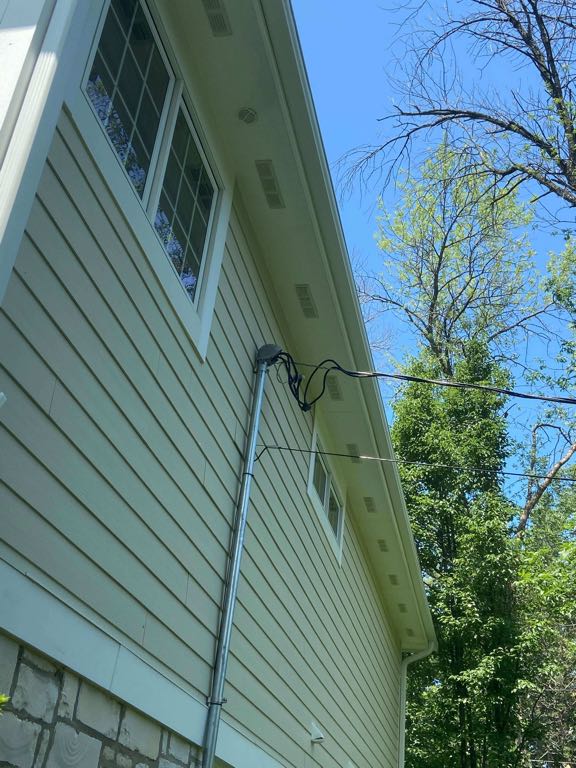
(333,512)
(327,495)
(128,86)
(124,10)
(127,79)
(320,478)
(178,221)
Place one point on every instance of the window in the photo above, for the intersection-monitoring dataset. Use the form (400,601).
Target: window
(325,496)
(140,104)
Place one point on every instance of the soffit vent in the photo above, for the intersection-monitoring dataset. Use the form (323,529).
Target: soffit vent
(333,387)
(269,183)
(382,545)
(402,608)
(393,579)
(217,18)
(354,451)
(370,504)
(307,303)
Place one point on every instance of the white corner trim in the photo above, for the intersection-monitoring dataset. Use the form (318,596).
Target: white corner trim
(31,136)
(22,29)
(39,619)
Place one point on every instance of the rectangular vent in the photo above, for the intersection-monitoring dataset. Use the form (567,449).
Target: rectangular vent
(217,18)
(333,387)
(307,304)
(354,451)
(382,546)
(393,579)
(269,183)
(402,608)
(370,504)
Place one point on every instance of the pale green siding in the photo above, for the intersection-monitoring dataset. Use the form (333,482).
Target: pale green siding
(120,460)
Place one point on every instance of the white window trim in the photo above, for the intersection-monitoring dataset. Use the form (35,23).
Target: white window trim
(195,318)
(336,542)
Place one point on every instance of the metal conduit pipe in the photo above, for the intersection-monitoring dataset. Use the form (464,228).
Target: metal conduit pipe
(266,356)
(410,659)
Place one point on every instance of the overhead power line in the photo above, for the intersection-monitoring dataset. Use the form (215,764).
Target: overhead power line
(432,465)
(301,392)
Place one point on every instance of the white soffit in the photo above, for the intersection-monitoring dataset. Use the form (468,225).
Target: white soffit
(259,65)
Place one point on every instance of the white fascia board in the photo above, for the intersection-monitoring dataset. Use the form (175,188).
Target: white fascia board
(295,89)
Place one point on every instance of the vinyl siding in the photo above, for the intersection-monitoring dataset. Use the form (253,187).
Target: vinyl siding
(120,461)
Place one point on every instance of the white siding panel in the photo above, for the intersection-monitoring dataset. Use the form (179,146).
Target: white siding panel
(26,365)
(295,556)
(124,455)
(107,417)
(28,532)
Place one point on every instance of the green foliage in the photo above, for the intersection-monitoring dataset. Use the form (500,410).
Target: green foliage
(562,285)
(456,264)
(562,276)
(547,593)
(501,690)
(469,561)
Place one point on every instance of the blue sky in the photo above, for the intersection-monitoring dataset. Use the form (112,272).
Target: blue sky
(346,51)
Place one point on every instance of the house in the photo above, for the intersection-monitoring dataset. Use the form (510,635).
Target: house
(166,211)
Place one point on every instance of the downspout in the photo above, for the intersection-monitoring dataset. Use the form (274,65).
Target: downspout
(410,659)
(266,356)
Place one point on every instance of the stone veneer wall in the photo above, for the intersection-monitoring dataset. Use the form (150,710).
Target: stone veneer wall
(54,719)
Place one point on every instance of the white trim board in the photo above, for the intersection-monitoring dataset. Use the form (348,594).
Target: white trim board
(39,619)
(33,128)
(22,29)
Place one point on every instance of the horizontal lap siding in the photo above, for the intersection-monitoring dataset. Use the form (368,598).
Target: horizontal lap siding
(124,453)
(118,434)
(320,626)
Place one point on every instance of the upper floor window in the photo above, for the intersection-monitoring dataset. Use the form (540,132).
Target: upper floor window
(139,102)
(325,495)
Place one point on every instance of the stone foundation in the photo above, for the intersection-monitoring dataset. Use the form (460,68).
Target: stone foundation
(55,719)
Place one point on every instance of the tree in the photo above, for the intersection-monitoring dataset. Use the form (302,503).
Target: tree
(456,264)
(546,593)
(521,129)
(561,283)
(458,271)
(462,705)
(538,485)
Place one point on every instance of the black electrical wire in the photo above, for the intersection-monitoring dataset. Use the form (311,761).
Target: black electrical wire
(328,365)
(432,465)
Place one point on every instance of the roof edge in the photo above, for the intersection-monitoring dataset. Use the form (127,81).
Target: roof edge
(281,27)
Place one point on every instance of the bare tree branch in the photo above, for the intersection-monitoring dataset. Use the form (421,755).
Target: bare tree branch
(537,489)
(515,134)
